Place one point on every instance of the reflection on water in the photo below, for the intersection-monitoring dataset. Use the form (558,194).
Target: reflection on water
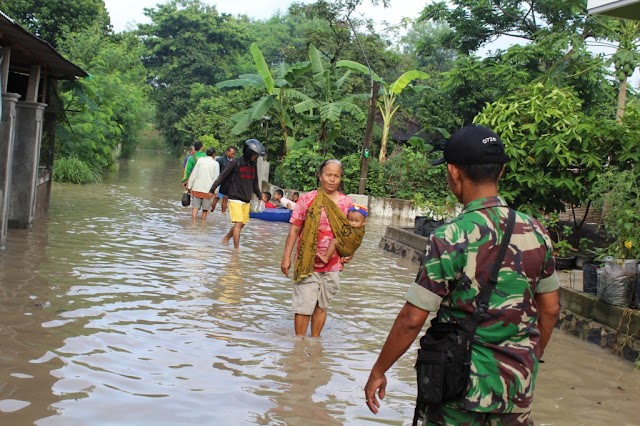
(120,310)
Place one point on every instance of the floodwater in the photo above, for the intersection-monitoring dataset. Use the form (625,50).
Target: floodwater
(119,310)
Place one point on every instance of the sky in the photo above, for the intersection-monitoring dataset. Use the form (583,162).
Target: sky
(126,12)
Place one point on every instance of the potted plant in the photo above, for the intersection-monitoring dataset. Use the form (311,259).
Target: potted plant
(564,253)
(563,250)
(618,194)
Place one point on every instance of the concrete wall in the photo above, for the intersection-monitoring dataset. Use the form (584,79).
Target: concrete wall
(392,209)
(611,327)
(26,158)
(404,242)
(7,138)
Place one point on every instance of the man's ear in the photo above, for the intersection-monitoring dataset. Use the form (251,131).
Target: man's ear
(503,171)
(454,172)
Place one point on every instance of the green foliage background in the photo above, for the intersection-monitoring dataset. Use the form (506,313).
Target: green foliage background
(552,99)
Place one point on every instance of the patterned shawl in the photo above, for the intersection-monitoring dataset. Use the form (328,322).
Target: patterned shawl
(340,226)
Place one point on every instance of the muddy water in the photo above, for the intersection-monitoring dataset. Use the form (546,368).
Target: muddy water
(119,310)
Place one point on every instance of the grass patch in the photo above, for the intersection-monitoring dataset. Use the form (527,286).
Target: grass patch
(74,170)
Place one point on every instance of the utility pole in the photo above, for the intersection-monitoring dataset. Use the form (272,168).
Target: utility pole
(368,136)
(371,116)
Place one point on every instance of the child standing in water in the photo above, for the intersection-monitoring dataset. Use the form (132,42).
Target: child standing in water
(357,216)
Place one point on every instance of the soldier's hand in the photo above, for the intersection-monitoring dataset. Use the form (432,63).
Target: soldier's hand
(375,384)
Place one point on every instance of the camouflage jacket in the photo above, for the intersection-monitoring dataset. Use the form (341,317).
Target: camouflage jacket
(459,259)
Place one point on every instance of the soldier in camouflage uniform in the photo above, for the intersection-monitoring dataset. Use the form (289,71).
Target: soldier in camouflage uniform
(523,307)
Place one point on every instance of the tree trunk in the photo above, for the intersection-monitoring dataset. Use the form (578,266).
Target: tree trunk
(622,100)
(382,158)
(285,135)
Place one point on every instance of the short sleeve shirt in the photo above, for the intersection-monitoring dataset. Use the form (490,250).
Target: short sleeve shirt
(325,234)
(458,260)
(287,203)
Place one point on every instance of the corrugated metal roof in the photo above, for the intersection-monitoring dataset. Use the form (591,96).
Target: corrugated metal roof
(28,50)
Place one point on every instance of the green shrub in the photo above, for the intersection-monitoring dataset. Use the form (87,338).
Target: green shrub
(74,170)
(410,172)
(298,169)
(351,173)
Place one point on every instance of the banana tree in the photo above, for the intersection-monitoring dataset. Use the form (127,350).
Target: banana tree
(328,106)
(277,90)
(387,96)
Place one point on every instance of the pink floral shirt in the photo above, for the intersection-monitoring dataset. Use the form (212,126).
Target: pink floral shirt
(325,235)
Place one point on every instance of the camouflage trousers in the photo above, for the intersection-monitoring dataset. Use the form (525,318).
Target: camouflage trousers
(443,415)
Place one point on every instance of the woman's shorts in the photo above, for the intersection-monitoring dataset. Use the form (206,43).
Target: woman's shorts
(201,203)
(317,289)
(239,211)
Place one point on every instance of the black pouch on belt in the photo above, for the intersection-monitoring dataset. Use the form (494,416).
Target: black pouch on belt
(443,364)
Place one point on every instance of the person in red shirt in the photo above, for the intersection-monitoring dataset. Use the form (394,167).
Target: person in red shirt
(266,198)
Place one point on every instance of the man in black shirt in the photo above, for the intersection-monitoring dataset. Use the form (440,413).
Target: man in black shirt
(240,181)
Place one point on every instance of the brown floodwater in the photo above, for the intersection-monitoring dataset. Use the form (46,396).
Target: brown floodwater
(118,309)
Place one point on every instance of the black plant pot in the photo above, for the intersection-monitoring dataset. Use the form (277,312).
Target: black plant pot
(563,263)
(590,278)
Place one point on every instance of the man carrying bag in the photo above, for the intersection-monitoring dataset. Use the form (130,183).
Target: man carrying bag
(477,364)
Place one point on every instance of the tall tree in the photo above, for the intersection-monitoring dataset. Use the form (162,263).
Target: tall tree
(187,42)
(626,34)
(104,112)
(476,23)
(52,20)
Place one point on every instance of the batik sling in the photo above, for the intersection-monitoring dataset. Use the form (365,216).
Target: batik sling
(443,366)
(343,231)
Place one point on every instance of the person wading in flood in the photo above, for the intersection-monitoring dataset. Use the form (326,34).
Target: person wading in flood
(224,161)
(512,325)
(319,216)
(240,178)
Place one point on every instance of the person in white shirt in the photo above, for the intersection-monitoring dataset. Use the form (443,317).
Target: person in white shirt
(205,172)
(278,195)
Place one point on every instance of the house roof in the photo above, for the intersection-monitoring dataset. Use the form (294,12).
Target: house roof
(627,9)
(28,50)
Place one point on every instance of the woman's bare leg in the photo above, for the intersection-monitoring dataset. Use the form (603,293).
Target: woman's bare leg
(318,319)
(301,323)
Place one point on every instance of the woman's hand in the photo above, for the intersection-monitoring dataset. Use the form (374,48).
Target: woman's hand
(285,265)
(346,259)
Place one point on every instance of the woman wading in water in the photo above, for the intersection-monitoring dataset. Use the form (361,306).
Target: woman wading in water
(315,218)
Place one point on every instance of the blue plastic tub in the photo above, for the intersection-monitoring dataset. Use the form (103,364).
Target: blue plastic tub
(272,215)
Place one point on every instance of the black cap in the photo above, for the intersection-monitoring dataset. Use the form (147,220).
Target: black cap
(473,145)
